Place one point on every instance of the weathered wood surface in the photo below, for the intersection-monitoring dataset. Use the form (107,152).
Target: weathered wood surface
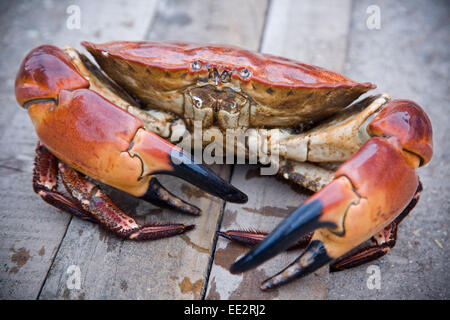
(407,57)
(288,32)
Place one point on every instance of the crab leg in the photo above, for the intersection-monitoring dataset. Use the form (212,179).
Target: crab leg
(89,202)
(252,238)
(92,199)
(45,183)
(368,192)
(305,174)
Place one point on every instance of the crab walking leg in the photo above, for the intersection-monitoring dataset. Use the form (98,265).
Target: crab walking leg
(383,242)
(252,238)
(368,193)
(102,209)
(45,183)
(305,174)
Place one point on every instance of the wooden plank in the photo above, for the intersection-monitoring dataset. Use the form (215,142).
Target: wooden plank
(292,30)
(173,268)
(228,22)
(314,33)
(408,61)
(30,230)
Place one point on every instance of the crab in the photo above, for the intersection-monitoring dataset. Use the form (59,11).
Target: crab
(119,124)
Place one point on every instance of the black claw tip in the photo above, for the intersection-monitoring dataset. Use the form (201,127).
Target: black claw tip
(185,168)
(302,221)
(243,264)
(314,257)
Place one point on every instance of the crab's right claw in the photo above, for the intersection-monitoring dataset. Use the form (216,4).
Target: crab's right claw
(368,192)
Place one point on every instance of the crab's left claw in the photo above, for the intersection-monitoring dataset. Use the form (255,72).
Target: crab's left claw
(368,192)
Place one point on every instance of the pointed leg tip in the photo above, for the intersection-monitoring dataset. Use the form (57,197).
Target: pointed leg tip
(195,212)
(223,234)
(189,227)
(335,268)
(266,286)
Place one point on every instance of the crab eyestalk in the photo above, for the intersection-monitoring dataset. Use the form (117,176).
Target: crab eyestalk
(368,192)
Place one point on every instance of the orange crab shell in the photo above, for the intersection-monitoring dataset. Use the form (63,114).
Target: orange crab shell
(44,72)
(409,123)
(291,90)
(263,68)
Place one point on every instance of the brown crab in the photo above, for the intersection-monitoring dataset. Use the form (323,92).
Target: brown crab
(101,126)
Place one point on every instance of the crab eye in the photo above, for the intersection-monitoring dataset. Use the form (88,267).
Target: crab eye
(244,73)
(196,65)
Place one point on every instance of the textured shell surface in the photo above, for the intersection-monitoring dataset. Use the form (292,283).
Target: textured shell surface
(279,92)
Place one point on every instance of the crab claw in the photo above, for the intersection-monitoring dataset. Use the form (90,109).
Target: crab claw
(161,157)
(184,167)
(94,136)
(302,221)
(368,192)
